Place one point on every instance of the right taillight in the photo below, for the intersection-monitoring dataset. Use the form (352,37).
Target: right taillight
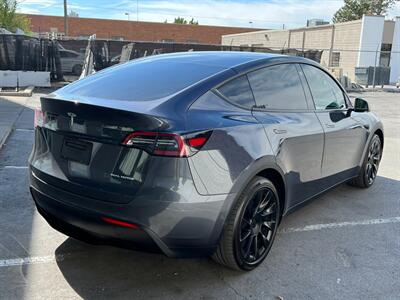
(39,118)
(167,144)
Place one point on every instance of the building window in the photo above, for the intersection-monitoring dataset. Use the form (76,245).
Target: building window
(167,41)
(384,60)
(117,38)
(192,41)
(335,59)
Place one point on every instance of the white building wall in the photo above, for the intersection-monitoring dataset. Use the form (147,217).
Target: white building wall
(370,40)
(395,55)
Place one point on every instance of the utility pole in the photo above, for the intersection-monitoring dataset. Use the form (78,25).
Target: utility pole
(65,18)
(374,74)
(137,10)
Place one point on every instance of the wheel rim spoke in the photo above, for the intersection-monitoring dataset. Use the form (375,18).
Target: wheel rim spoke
(246,235)
(255,247)
(269,225)
(270,209)
(248,246)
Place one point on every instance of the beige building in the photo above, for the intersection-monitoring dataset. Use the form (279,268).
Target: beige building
(344,46)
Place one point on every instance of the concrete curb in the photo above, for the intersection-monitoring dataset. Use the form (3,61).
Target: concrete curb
(27,92)
(5,137)
(10,128)
(378,90)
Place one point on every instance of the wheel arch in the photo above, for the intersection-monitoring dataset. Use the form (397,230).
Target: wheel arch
(278,181)
(379,132)
(265,167)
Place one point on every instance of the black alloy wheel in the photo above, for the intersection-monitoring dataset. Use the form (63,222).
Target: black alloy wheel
(373,160)
(251,226)
(257,226)
(370,166)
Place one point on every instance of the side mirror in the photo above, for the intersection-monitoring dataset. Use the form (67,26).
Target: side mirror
(360,105)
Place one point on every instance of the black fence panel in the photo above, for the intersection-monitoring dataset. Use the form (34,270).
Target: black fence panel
(24,53)
(67,56)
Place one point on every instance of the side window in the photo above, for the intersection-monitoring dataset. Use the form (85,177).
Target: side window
(325,91)
(278,87)
(238,92)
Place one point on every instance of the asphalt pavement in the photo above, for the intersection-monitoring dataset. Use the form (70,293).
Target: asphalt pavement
(344,244)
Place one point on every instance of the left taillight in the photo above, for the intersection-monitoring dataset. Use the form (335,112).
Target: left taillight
(39,118)
(167,144)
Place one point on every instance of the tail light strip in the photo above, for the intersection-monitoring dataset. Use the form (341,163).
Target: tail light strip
(167,144)
(39,118)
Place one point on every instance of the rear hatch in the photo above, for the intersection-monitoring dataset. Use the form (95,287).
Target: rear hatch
(79,145)
(78,148)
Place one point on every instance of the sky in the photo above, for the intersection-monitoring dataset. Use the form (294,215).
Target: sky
(239,13)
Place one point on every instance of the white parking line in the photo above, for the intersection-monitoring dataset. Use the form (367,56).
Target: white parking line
(15,167)
(30,260)
(51,258)
(341,224)
(24,129)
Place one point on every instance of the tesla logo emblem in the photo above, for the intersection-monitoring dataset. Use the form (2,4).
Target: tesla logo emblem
(72,116)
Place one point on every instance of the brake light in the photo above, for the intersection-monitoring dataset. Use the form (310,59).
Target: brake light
(39,118)
(167,144)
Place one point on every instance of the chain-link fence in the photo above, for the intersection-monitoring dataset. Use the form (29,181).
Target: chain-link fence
(64,58)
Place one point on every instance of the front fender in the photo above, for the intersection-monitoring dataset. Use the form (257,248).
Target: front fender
(372,124)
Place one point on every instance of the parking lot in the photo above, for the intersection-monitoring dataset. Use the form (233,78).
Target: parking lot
(345,244)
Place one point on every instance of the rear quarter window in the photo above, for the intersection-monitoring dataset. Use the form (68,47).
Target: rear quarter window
(238,92)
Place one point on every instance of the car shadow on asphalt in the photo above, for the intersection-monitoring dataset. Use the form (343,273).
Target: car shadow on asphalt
(115,272)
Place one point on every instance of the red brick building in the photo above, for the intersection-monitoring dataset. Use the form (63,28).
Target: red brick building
(132,30)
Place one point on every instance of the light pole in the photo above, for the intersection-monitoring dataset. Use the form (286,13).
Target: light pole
(65,18)
(127,14)
(251,24)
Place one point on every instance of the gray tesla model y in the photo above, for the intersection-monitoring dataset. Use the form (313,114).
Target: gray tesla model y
(198,153)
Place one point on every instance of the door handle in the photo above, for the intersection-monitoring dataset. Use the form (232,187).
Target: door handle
(330,125)
(279,131)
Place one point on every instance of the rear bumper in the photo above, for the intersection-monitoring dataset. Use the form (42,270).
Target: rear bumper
(177,228)
(87,226)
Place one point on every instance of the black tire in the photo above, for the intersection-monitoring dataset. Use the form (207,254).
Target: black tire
(370,166)
(252,223)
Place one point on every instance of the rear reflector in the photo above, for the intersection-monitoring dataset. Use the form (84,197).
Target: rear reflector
(167,144)
(119,223)
(39,118)
(197,142)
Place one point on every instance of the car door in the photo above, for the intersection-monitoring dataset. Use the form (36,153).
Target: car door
(292,128)
(344,136)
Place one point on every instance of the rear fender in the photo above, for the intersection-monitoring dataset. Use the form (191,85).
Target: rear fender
(263,163)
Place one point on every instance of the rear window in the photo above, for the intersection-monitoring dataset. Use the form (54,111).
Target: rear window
(142,80)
